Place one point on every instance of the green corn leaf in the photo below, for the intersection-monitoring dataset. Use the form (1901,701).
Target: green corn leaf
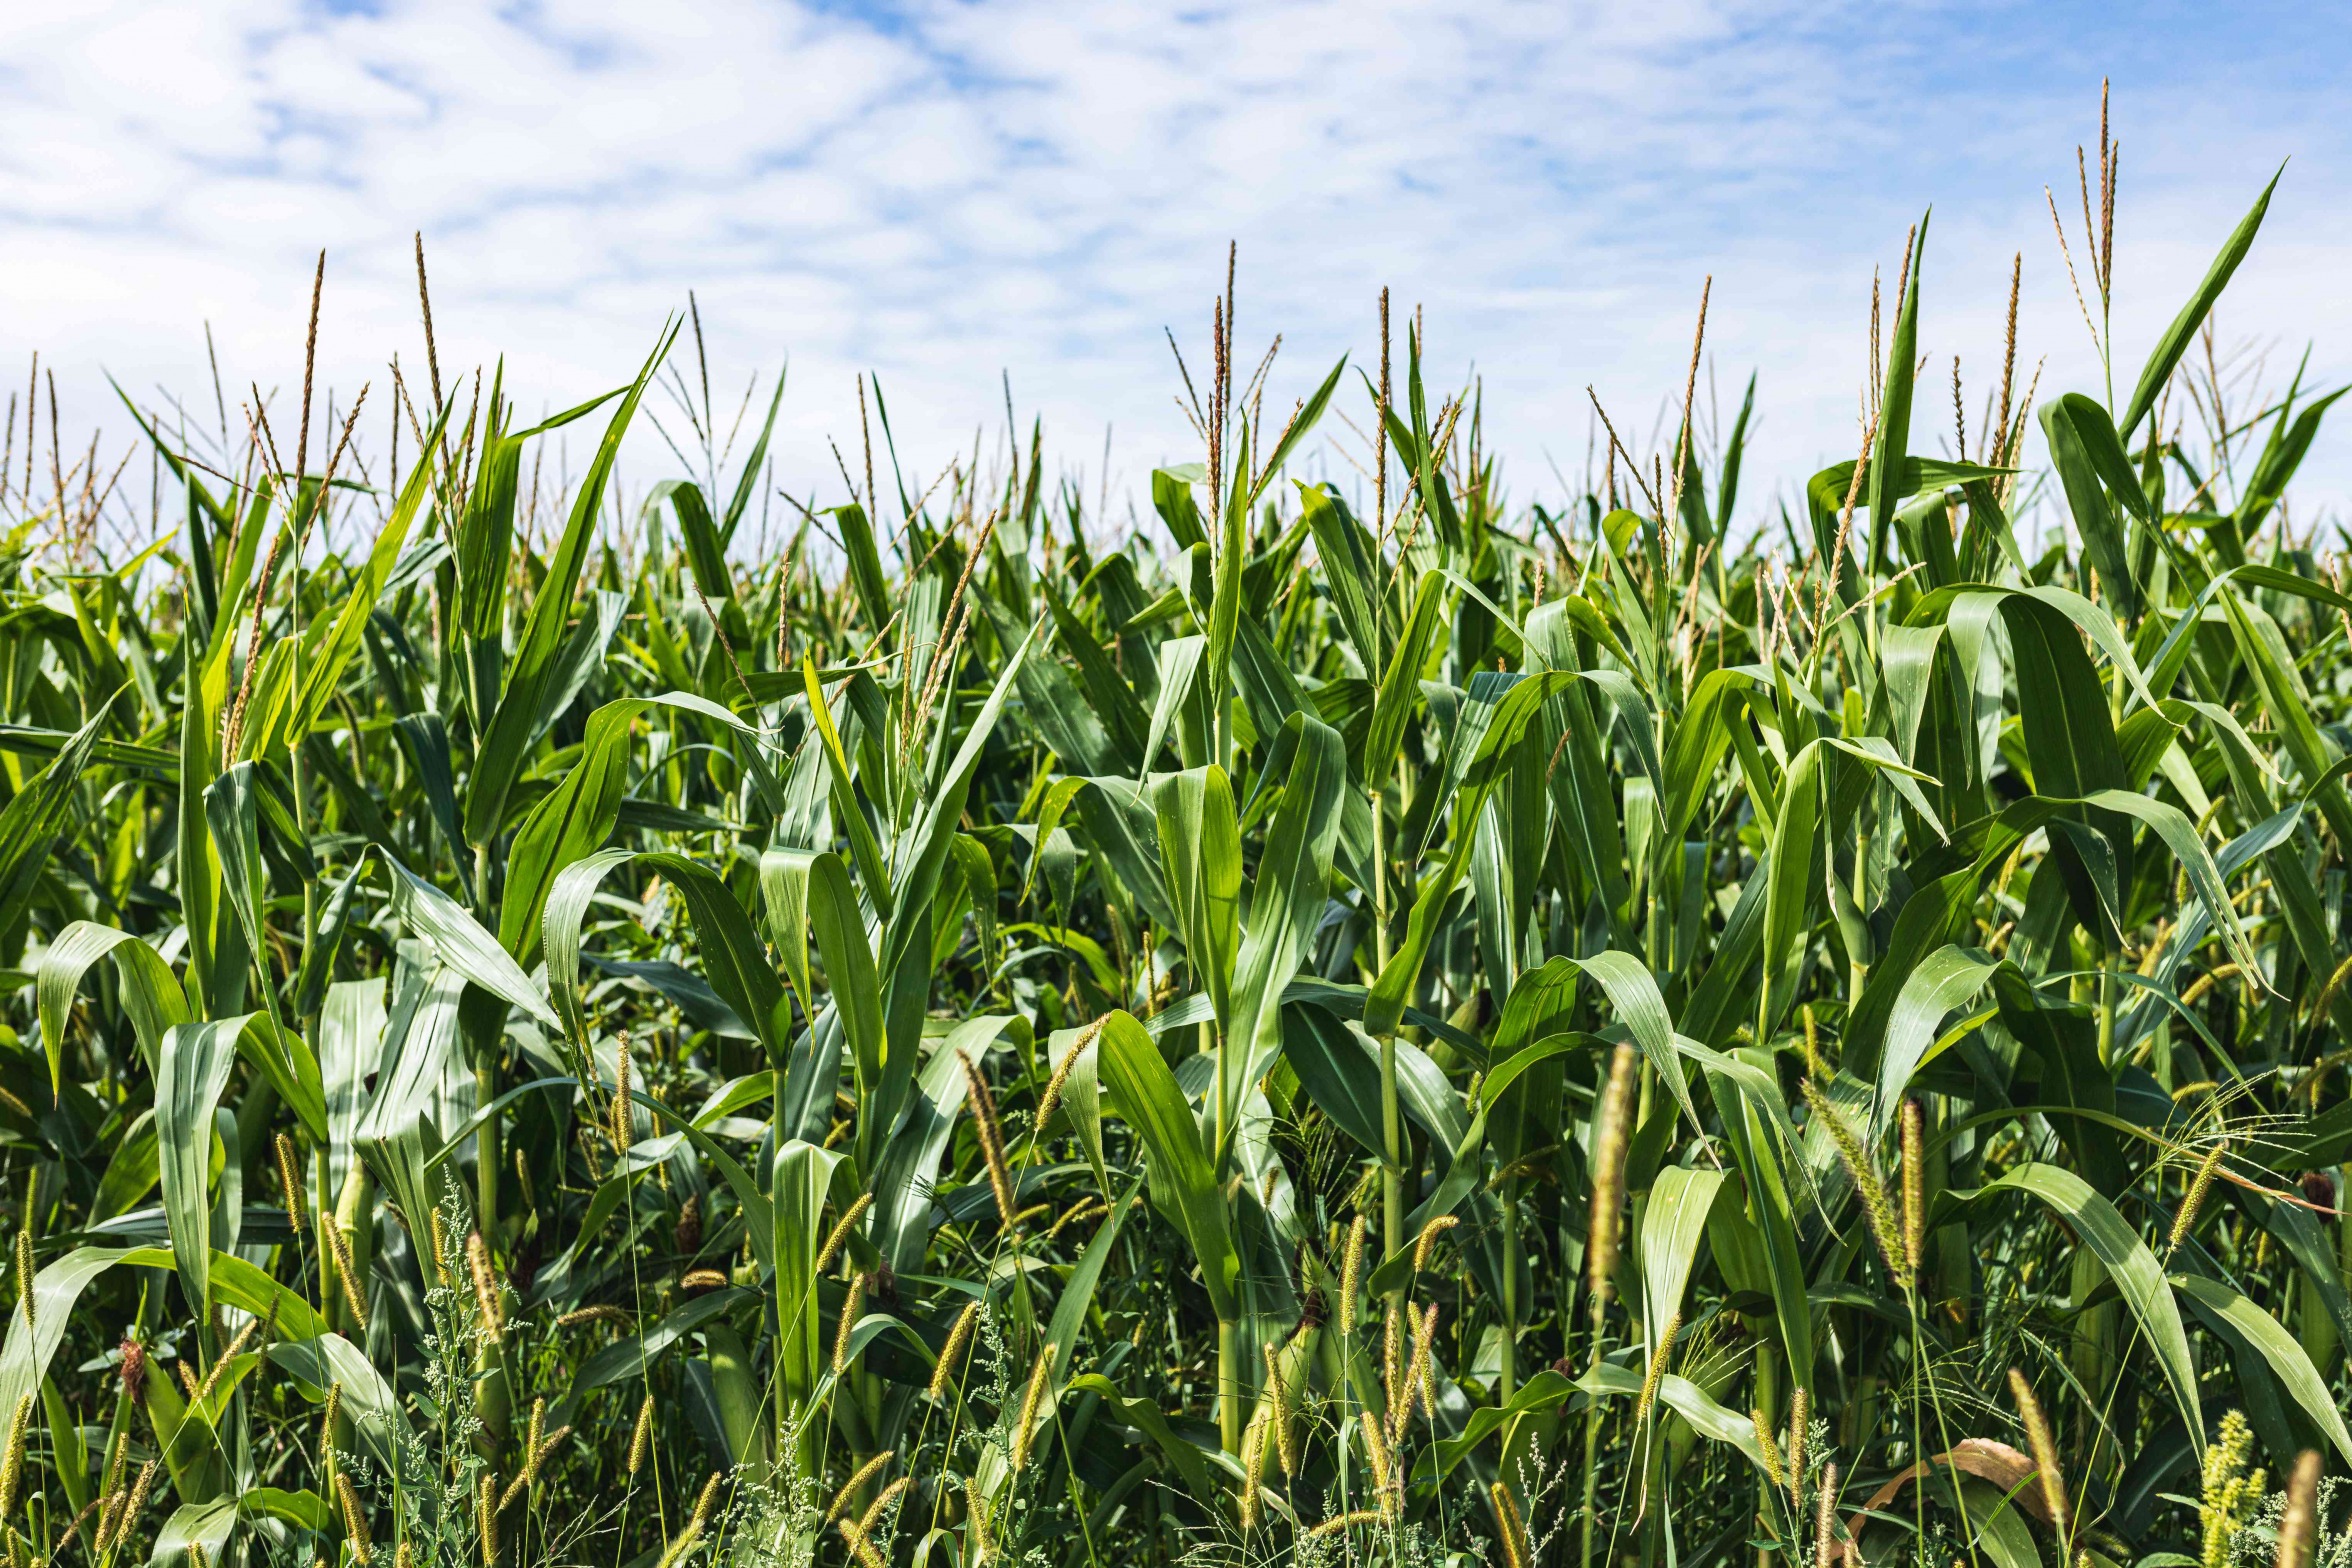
(1144,1093)
(2177,337)
(2289,1362)
(507,729)
(2130,1264)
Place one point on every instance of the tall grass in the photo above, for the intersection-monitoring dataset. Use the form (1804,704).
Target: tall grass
(1638,1033)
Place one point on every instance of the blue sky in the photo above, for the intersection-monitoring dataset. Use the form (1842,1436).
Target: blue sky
(943,193)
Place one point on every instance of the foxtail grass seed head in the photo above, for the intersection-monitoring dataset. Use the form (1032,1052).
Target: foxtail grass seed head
(137,1503)
(25,1274)
(197,1557)
(1376,1457)
(977,1547)
(347,1275)
(485,1285)
(871,1519)
(538,1419)
(1800,1431)
(1825,1518)
(1051,1101)
(1425,1359)
(1885,1229)
(842,1230)
(486,1516)
(1509,1529)
(1024,1429)
(2298,1531)
(354,1520)
(440,1239)
(853,1306)
(1914,1186)
(1659,1360)
(621,1130)
(220,1366)
(404,1556)
(1773,1470)
(1279,1414)
(1351,1276)
(991,1133)
(951,1355)
(290,1180)
(1414,1385)
(846,1498)
(12,1463)
(2186,1220)
(1816,1070)
(188,1383)
(641,1436)
(119,1461)
(861,1546)
(545,1446)
(1426,1242)
(334,1408)
(1084,1209)
(1608,1172)
(601,1312)
(1253,1468)
(2045,1451)
(1347,1521)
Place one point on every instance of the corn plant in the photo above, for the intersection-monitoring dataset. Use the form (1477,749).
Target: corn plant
(575,1021)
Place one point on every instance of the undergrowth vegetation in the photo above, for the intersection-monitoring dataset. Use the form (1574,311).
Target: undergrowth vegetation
(1350,1022)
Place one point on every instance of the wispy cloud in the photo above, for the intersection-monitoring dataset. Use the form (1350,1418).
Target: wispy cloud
(944,191)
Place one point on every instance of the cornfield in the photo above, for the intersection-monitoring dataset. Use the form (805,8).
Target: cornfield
(1355,1022)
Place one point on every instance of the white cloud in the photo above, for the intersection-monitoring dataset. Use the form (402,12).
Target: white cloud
(944,190)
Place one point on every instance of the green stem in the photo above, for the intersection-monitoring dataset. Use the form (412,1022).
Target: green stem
(1592,1431)
(1229,1385)
(1507,1378)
